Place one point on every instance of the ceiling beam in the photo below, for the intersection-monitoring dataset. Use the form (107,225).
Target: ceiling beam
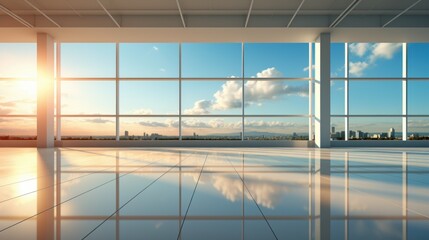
(248,14)
(344,13)
(16,17)
(41,12)
(406,10)
(110,15)
(296,12)
(181,14)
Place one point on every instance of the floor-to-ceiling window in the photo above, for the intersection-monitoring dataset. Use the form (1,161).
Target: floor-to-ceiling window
(18,71)
(188,91)
(377,91)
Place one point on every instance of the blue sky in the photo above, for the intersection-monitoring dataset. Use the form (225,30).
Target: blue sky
(223,96)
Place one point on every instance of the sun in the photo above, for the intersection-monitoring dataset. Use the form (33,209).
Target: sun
(27,88)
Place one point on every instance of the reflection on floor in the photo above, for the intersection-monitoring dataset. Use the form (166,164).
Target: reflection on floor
(259,193)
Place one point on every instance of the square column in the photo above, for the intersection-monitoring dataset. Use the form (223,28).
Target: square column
(45,91)
(322,89)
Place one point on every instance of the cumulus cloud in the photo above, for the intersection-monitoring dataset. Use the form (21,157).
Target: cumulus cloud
(200,107)
(257,91)
(143,111)
(373,52)
(229,96)
(357,68)
(384,50)
(269,73)
(359,49)
(99,120)
(155,48)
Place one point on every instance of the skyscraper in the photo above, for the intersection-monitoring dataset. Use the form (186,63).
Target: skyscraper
(391,133)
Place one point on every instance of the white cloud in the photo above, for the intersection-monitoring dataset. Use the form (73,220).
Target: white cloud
(229,96)
(257,91)
(162,70)
(384,50)
(200,107)
(359,48)
(155,48)
(376,50)
(269,73)
(357,68)
(143,111)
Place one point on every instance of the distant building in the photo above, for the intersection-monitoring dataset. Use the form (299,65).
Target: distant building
(333,130)
(126,133)
(359,134)
(391,133)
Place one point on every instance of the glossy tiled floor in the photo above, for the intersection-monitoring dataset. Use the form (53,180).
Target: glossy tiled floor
(165,193)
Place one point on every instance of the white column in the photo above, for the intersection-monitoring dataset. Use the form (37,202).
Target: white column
(310,91)
(346,93)
(404,92)
(45,90)
(117,131)
(322,91)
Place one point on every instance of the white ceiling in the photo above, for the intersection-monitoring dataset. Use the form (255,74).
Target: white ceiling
(212,13)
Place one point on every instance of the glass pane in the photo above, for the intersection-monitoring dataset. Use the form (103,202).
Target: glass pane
(258,128)
(382,60)
(337,97)
(211,97)
(143,97)
(208,60)
(211,128)
(375,97)
(276,97)
(149,60)
(18,97)
(337,60)
(276,60)
(18,60)
(149,128)
(88,128)
(88,60)
(417,97)
(418,128)
(418,59)
(338,128)
(376,128)
(18,128)
(88,97)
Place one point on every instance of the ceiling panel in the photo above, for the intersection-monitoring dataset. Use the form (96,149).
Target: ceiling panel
(209,13)
(214,4)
